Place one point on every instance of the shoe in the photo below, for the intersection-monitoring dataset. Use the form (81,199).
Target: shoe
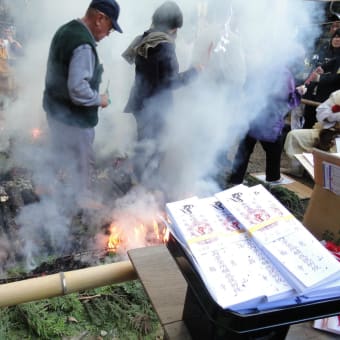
(296,172)
(276,182)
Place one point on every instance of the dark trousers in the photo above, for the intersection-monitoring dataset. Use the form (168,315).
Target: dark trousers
(148,150)
(73,155)
(246,147)
(310,117)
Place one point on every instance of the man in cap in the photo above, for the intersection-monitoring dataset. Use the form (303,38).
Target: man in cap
(71,98)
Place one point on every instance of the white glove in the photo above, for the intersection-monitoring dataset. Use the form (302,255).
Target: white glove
(302,89)
(334,117)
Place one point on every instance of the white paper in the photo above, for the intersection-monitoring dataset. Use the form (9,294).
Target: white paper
(251,252)
(331,174)
(294,250)
(337,143)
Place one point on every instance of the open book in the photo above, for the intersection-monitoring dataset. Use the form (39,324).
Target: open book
(251,252)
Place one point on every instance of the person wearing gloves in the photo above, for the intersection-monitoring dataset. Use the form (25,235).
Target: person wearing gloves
(322,135)
(71,97)
(156,76)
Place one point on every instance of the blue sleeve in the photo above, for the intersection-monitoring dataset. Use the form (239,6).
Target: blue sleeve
(80,73)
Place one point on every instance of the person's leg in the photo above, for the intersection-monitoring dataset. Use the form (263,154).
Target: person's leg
(241,160)
(72,158)
(310,117)
(297,142)
(147,156)
(273,159)
(59,151)
(86,159)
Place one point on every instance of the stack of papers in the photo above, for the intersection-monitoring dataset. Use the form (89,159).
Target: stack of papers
(307,161)
(251,252)
(331,180)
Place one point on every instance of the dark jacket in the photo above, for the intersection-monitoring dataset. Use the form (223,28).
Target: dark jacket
(56,101)
(156,75)
(329,80)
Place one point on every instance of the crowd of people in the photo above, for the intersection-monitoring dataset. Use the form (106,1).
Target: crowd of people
(72,99)
(318,119)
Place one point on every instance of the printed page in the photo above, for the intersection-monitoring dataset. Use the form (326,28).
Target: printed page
(299,256)
(219,254)
(250,258)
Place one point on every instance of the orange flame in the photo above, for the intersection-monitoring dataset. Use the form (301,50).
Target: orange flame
(36,133)
(156,229)
(144,234)
(115,238)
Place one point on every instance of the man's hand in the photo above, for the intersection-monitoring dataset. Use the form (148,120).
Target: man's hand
(315,75)
(104,100)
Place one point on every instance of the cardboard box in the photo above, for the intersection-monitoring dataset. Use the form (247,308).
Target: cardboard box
(323,211)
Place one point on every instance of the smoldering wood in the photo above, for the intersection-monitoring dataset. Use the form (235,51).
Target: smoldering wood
(17,190)
(9,224)
(114,179)
(2,221)
(29,196)
(5,251)
(15,199)
(17,183)
(3,195)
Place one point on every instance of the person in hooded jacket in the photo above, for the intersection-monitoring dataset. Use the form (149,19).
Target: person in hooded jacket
(156,76)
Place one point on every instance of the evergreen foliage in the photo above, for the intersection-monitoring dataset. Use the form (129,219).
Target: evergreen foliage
(123,311)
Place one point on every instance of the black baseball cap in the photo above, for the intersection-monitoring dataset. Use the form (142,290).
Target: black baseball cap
(109,8)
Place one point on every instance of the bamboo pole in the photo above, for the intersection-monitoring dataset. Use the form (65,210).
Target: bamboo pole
(65,283)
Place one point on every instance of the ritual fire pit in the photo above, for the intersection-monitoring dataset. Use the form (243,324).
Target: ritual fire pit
(82,248)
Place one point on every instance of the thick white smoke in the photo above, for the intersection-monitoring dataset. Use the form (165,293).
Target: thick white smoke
(244,38)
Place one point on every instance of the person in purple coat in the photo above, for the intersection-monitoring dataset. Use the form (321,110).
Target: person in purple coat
(267,129)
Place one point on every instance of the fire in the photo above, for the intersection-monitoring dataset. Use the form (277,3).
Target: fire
(114,239)
(144,234)
(36,133)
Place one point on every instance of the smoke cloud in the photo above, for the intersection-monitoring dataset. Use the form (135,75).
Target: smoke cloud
(249,43)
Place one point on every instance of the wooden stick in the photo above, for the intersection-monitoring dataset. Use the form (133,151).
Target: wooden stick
(310,102)
(89,297)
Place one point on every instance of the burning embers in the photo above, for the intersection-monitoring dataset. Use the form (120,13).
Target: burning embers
(142,234)
(36,134)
